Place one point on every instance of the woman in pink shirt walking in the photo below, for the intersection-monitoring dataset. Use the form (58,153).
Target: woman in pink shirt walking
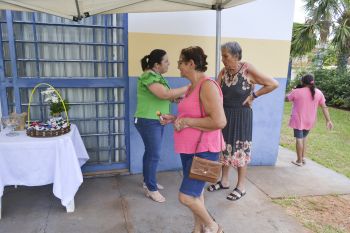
(306,99)
(198,132)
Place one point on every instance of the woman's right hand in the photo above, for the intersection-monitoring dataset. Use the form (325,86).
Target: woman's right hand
(177,100)
(167,119)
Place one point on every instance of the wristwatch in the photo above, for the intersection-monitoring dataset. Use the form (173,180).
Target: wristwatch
(254,95)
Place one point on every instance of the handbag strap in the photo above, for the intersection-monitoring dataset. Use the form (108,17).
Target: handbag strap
(201,111)
(202,114)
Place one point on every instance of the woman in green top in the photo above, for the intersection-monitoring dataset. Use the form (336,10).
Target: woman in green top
(153,95)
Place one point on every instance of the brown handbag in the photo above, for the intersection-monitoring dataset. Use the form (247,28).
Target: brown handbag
(204,169)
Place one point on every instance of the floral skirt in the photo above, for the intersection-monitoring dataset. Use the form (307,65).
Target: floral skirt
(238,136)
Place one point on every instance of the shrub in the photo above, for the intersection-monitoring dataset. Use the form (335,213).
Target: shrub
(335,86)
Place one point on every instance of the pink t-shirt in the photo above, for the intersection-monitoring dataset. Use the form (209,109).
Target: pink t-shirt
(304,111)
(186,140)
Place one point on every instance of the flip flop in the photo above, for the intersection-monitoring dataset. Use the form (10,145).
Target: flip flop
(216,187)
(298,164)
(235,195)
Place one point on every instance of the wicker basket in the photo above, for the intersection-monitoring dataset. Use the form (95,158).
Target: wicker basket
(47,133)
(32,132)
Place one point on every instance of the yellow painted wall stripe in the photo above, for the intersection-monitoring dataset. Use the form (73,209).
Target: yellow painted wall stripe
(268,56)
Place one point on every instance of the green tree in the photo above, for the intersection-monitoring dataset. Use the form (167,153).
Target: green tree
(303,42)
(331,56)
(326,20)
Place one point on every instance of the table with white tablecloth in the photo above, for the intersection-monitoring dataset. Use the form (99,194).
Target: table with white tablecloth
(32,161)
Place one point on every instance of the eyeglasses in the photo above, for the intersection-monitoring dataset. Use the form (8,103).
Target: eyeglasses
(179,62)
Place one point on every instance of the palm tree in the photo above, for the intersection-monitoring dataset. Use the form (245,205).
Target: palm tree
(342,37)
(327,20)
(303,42)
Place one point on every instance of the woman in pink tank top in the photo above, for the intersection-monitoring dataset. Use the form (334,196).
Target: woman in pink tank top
(306,99)
(189,123)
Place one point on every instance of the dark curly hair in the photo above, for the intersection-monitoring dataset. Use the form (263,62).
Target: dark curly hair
(156,56)
(196,54)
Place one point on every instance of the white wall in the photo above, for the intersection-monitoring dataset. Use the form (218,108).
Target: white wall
(261,19)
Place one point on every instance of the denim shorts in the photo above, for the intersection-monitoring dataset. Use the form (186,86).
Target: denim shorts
(298,133)
(190,186)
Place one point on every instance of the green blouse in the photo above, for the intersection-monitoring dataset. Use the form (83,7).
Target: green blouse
(147,103)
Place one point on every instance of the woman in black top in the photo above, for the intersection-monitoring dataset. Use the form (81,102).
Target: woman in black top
(237,80)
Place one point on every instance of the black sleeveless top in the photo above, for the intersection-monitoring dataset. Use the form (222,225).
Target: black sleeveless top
(236,87)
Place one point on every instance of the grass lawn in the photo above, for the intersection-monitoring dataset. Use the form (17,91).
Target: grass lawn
(329,148)
(322,214)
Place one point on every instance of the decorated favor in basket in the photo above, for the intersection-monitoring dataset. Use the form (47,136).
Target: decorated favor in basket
(56,126)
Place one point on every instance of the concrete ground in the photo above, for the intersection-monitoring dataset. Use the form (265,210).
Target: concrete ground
(118,205)
(286,179)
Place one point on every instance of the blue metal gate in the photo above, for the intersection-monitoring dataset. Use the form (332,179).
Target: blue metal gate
(86,62)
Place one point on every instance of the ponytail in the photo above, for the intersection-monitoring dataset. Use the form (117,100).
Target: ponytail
(144,63)
(148,61)
(308,81)
(312,89)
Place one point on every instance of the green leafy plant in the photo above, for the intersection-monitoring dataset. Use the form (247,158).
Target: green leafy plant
(56,108)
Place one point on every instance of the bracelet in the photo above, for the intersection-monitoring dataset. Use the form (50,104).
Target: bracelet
(254,95)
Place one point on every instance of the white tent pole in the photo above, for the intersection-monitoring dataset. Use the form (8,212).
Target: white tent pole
(77,6)
(218,42)
(78,17)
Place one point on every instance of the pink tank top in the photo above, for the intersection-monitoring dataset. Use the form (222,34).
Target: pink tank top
(186,140)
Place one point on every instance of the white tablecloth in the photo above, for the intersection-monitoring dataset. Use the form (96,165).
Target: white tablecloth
(39,161)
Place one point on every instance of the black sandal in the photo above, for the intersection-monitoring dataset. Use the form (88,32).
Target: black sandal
(216,187)
(235,195)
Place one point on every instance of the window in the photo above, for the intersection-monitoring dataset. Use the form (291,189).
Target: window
(85,61)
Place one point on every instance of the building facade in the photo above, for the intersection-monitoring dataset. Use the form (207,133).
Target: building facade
(95,65)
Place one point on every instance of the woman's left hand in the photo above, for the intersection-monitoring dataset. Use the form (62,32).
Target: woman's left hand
(180,124)
(329,125)
(248,101)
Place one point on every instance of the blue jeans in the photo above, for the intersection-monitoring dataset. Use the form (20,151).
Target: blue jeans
(151,132)
(191,186)
(301,133)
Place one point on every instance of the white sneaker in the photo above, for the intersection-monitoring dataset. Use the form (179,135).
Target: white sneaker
(159,186)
